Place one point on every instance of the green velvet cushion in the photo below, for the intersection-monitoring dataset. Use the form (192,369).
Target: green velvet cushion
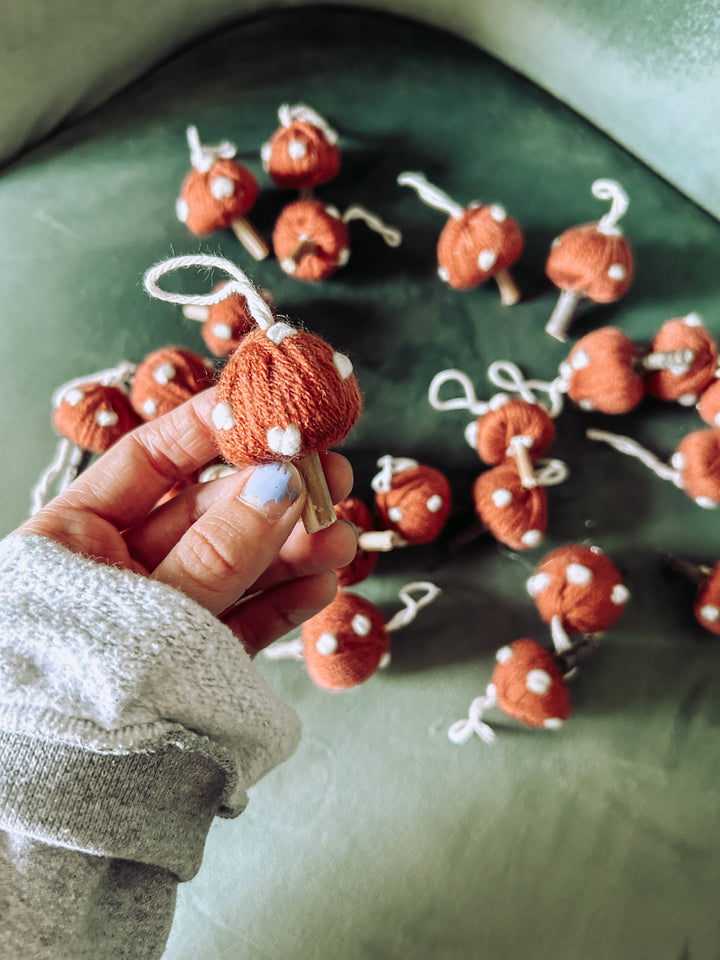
(380,838)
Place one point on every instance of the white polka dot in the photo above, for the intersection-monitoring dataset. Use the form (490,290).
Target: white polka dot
(333,212)
(222,187)
(443,274)
(501,497)
(286,441)
(707,503)
(222,416)
(531,538)
(73,397)
(565,371)
(586,404)
(164,373)
(693,320)
(223,331)
(688,399)
(361,625)
(579,360)
(280,331)
(617,272)
(182,210)
(504,654)
(620,594)
(578,574)
(556,243)
(106,418)
(716,419)
(149,407)
(296,150)
(471,433)
(385,661)
(710,612)
(498,213)
(395,514)
(265,154)
(343,256)
(343,365)
(487,259)
(678,460)
(326,644)
(552,723)
(435,503)
(537,583)
(538,681)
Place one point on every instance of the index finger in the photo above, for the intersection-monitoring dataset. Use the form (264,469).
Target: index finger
(127,481)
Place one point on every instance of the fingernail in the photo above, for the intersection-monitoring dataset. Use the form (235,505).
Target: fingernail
(272,488)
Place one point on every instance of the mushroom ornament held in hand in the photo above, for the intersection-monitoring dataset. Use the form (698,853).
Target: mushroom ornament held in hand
(592,261)
(477,243)
(217,193)
(303,152)
(283,394)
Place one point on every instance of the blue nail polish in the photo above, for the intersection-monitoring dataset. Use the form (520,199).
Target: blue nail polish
(272,481)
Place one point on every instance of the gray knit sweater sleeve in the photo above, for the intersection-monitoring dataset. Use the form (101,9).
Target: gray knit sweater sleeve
(129,718)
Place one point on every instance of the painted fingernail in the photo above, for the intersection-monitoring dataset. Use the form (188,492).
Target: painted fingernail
(272,488)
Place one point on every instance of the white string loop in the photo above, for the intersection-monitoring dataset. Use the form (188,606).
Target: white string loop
(551,472)
(462,730)
(203,156)
(430,194)
(390,467)
(239,283)
(429,593)
(468,400)
(611,190)
(119,376)
(508,376)
(66,461)
(633,449)
(391,235)
(306,114)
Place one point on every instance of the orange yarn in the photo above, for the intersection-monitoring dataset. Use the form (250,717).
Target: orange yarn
(601,372)
(707,602)
(417,504)
(301,156)
(685,387)
(514,515)
(580,585)
(310,241)
(227,323)
(93,417)
(284,399)
(165,379)
(207,213)
(474,247)
(364,561)
(344,644)
(497,427)
(591,264)
(529,685)
(698,460)
(709,404)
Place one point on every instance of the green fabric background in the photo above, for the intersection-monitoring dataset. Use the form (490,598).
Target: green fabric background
(380,839)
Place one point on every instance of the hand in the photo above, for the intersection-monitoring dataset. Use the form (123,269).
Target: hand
(234,544)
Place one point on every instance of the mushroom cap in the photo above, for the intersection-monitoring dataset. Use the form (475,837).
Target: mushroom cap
(497,427)
(215,198)
(165,379)
(683,332)
(344,644)
(311,220)
(582,586)
(698,460)
(93,416)
(283,399)
(707,602)
(473,247)
(227,323)
(515,515)
(592,264)
(709,404)
(417,504)
(601,374)
(299,155)
(363,564)
(529,685)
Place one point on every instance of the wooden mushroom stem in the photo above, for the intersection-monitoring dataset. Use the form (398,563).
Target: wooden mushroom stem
(304,248)
(319,511)
(695,572)
(380,541)
(562,314)
(194,312)
(518,449)
(249,238)
(676,361)
(579,651)
(509,292)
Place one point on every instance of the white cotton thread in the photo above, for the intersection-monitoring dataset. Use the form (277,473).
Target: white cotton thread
(285,650)
(468,400)
(430,194)
(302,112)
(633,449)
(508,376)
(119,376)
(429,592)
(549,472)
(391,235)
(611,190)
(239,283)
(462,731)
(67,460)
(203,156)
(389,468)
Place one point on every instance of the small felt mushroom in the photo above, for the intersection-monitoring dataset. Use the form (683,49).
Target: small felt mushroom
(683,382)
(303,152)
(592,261)
(693,468)
(477,242)
(344,644)
(284,394)
(413,500)
(166,378)
(707,600)
(311,240)
(217,193)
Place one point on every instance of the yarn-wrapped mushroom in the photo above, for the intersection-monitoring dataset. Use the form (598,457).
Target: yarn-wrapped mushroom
(226,322)
(166,378)
(592,261)
(477,242)
(684,382)
(303,152)
(362,565)
(217,194)
(283,394)
(707,600)
(413,500)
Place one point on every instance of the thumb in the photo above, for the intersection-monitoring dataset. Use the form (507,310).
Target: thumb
(224,552)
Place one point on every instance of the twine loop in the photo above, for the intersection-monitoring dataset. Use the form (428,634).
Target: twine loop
(391,235)
(429,592)
(468,400)
(633,449)
(203,156)
(430,194)
(508,376)
(390,467)
(462,730)
(305,114)
(611,190)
